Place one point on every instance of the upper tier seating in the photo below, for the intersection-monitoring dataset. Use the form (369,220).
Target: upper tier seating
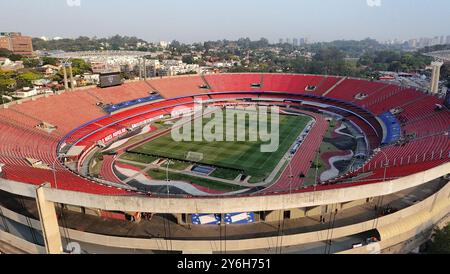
(393,128)
(60,110)
(19,119)
(19,143)
(420,150)
(397,97)
(327,83)
(65,180)
(391,172)
(349,88)
(126,92)
(233,82)
(20,139)
(297,83)
(432,123)
(394,172)
(179,86)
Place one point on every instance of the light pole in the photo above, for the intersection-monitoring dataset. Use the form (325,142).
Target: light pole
(167,176)
(168,195)
(291,176)
(385,164)
(54,168)
(380,201)
(317,169)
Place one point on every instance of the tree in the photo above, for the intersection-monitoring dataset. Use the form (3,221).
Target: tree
(29,76)
(58,77)
(445,71)
(15,57)
(5,53)
(80,66)
(445,74)
(50,61)
(6,84)
(188,59)
(10,55)
(85,43)
(440,243)
(175,44)
(329,54)
(31,62)
(300,65)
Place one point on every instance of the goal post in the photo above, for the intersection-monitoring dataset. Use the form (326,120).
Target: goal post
(194,156)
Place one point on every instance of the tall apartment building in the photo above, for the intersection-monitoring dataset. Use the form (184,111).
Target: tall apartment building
(15,42)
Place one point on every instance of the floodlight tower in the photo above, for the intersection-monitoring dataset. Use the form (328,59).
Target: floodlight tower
(436,74)
(145,68)
(67,64)
(140,68)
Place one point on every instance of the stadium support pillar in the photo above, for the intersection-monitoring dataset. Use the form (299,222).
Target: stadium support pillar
(297,213)
(273,216)
(49,222)
(436,74)
(180,219)
(66,85)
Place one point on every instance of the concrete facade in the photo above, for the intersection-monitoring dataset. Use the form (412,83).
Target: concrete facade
(394,229)
(228,204)
(49,223)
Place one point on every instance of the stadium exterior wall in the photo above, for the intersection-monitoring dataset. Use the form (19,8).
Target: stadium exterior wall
(394,229)
(228,204)
(411,239)
(20,244)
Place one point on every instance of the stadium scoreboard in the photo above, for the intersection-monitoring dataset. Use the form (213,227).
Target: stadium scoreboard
(110,79)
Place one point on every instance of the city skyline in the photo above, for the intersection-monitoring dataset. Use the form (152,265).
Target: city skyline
(315,20)
(296,41)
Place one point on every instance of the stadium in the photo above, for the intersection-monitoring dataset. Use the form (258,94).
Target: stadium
(362,167)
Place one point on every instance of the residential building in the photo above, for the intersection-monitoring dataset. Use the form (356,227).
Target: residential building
(7,65)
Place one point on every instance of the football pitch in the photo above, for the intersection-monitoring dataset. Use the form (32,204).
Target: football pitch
(243,156)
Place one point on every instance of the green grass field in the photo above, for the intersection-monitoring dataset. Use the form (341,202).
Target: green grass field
(246,156)
(159,174)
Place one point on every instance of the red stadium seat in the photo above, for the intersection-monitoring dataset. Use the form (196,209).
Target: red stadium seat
(21,139)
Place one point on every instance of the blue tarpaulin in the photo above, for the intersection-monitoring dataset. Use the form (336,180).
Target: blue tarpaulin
(393,128)
(239,218)
(205,219)
(116,107)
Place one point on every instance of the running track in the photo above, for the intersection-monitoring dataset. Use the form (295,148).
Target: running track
(301,162)
(106,171)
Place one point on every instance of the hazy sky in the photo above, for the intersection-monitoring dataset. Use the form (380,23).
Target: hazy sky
(199,20)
